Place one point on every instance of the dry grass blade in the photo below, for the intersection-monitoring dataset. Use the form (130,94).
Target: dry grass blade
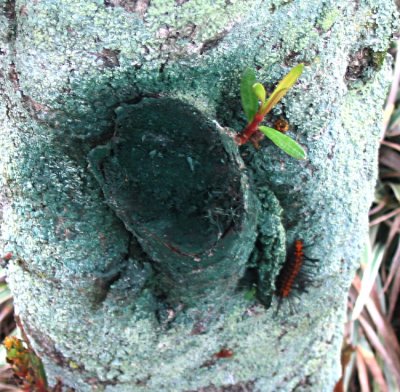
(5,380)
(371,266)
(362,373)
(347,362)
(377,362)
(385,217)
(395,146)
(391,101)
(384,328)
(379,318)
(390,174)
(393,363)
(394,294)
(393,268)
(386,343)
(393,233)
(373,367)
(9,388)
(378,208)
(394,133)
(389,158)
(7,323)
(381,322)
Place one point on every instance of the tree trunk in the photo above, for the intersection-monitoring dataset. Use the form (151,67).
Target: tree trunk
(146,243)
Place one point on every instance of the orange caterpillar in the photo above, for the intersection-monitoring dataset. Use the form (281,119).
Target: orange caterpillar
(294,275)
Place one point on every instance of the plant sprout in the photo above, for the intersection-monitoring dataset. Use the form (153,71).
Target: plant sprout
(256,106)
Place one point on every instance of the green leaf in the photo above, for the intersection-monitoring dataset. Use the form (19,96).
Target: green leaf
(274,98)
(259,90)
(290,79)
(282,88)
(249,98)
(284,142)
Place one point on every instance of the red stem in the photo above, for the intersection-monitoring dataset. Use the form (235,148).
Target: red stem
(250,130)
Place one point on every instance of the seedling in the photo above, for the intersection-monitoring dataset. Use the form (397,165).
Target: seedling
(256,107)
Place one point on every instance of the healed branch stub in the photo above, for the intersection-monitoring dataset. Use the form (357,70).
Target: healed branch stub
(179,186)
(116,180)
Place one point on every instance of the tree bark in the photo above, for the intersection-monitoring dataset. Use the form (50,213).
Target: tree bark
(140,230)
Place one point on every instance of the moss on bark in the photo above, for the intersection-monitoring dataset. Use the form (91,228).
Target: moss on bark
(103,276)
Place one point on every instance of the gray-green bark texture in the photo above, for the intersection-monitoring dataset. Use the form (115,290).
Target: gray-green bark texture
(145,242)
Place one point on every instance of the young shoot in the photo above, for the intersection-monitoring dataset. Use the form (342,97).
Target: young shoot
(256,106)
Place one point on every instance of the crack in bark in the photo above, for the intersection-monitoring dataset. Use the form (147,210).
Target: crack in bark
(9,10)
(213,42)
(109,57)
(10,13)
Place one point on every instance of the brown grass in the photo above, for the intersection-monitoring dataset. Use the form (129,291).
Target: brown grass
(371,346)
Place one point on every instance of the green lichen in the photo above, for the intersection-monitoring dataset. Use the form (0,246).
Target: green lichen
(329,18)
(77,62)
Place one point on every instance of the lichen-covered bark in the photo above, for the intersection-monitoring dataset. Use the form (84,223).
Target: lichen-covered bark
(137,225)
